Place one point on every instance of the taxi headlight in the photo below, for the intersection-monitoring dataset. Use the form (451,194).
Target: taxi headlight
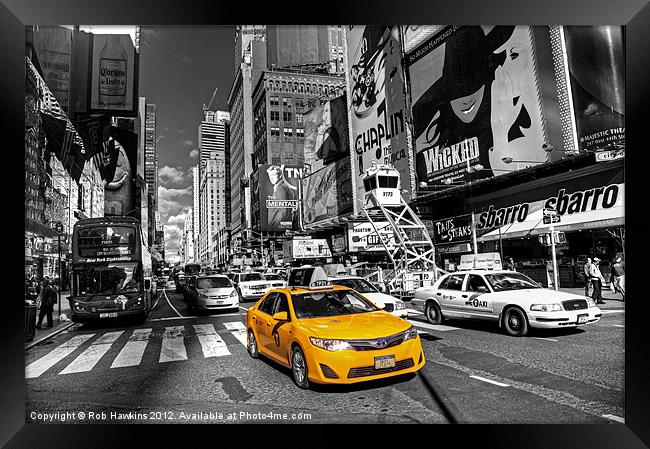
(233,294)
(590,302)
(546,308)
(410,333)
(330,345)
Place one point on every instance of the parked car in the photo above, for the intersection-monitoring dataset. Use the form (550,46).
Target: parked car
(250,286)
(210,292)
(331,335)
(512,300)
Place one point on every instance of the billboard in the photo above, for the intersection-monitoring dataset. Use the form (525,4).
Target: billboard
(112,73)
(327,193)
(362,237)
(53,47)
(119,166)
(310,248)
(378,129)
(277,188)
(452,230)
(596,63)
(475,101)
(326,134)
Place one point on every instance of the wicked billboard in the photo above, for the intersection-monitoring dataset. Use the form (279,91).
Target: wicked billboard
(475,102)
(277,188)
(378,130)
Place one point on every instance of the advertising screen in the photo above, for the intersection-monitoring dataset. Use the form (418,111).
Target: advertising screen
(309,248)
(112,86)
(278,192)
(326,134)
(362,237)
(475,102)
(597,75)
(327,193)
(376,103)
(453,230)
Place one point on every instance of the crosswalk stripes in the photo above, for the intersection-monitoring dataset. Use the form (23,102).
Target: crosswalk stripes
(131,354)
(173,346)
(46,362)
(89,358)
(238,330)
(211,343)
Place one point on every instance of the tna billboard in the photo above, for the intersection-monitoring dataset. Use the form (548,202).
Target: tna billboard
(277,189)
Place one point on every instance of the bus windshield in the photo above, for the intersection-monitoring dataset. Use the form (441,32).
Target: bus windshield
(108,278)
(98,241)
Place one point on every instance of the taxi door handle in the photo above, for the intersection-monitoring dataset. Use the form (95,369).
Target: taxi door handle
(439,294)
(268,324)
(464,296)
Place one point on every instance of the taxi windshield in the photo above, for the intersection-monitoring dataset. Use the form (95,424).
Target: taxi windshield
(216,282)
(330,303)
(251,277)
(510,281)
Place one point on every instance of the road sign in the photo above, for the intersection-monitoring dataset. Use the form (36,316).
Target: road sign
(550,216)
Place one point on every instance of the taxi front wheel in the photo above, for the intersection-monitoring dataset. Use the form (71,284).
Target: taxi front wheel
(299,368)
(515,322)
(252,345)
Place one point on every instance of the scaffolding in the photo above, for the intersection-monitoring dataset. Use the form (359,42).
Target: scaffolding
(412,252)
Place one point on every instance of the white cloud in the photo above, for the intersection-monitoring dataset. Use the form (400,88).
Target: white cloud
(194,153)
(172,175)
(172,240)
(177,220)
(173,201)
(188,143)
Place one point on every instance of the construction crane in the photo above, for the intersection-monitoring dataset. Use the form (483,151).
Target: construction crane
(412,252)
(207,108)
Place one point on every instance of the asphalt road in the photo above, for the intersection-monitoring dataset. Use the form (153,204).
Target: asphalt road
(181,368)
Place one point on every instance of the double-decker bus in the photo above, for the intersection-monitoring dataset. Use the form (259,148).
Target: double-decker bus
(111,268)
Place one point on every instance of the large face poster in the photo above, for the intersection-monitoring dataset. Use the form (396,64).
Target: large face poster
(326,134)
(327,193)
(475,103)
(278,190)
(376,103)
(113,73)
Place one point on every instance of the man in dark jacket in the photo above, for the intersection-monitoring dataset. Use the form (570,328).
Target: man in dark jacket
(47,304)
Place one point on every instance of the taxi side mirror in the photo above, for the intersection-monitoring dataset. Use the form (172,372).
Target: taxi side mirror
(281,316)
(482,289)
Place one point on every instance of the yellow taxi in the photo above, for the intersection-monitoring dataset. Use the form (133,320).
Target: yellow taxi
(331,335)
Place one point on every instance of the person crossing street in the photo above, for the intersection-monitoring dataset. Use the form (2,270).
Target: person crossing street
(597,281)
(47,304)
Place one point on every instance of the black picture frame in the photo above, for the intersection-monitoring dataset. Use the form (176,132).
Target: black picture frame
(634,14)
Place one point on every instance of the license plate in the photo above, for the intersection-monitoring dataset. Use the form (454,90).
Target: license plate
(385,361)
(582,319)
(108,315)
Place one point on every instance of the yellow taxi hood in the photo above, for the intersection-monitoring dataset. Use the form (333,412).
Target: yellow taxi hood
(356,326)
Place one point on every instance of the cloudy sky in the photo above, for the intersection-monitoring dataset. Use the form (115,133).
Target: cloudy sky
(180,67)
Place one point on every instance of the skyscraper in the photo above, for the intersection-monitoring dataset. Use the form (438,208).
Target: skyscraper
(195,211)
(150,153)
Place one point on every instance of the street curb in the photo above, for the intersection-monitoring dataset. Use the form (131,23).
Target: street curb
(34,343)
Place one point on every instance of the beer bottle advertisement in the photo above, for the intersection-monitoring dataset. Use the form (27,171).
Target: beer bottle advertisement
(113,72)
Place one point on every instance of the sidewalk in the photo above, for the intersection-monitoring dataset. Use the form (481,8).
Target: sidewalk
(59,326)
(612,300)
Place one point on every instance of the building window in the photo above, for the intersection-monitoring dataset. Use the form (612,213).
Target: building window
(286,102)
(286,116)
(300,132)
(288,132)
(276,160)
(275,101)
(275,116)
(302,87)
(299,118)
(275,131)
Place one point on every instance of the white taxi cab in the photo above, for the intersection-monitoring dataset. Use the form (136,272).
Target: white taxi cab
(513,300)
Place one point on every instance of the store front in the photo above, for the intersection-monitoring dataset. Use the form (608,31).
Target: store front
(590,203)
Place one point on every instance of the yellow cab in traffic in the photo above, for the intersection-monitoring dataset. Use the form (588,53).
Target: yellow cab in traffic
(331,335)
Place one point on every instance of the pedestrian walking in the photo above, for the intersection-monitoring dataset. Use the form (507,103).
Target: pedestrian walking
(47,304)
(596,281)
(618,276)
(510,264)
(586,269)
